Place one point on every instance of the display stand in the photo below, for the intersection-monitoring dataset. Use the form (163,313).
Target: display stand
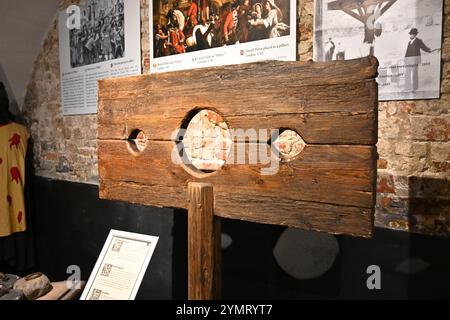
(330,186)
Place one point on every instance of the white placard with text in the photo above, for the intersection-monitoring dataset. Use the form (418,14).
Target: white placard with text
(120,267)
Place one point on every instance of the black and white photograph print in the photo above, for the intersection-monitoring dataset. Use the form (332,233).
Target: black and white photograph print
(98,39)
(404,35)
(101,36)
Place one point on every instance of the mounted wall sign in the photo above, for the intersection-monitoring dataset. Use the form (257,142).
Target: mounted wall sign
(191,34)
(98,40)
(404,35)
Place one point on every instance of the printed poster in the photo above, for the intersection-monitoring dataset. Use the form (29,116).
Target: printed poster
(189,34)
(121,266)
(405,36)
(97,40)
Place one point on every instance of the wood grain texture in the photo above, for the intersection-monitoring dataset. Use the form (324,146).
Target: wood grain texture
(333,106)
(203,243)
(343,114)
(334,219)
(271,96)
(341,175)
(305,73)
(61,292)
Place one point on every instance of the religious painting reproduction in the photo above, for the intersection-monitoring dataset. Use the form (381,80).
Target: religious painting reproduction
(99,39)
(405,36)
(190,34)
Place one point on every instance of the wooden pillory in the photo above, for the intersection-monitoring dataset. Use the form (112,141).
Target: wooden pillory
(329,187)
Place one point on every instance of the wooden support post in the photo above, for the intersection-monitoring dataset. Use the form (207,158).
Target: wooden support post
(203,244)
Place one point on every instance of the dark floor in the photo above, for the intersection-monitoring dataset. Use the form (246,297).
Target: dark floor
(71,225)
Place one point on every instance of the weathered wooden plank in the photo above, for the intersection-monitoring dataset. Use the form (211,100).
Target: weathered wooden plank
(297,214)
(329,187)
(318,128)
(342,109)
(324,128)
(283,74)
(348,97)
(351,5)
(275,209)
(204,243)
(328,174)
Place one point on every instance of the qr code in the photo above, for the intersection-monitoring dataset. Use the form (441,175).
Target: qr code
(106,270)
(96,293)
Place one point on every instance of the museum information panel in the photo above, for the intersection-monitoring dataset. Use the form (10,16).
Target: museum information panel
(96,41)
(121,266)
(404,35)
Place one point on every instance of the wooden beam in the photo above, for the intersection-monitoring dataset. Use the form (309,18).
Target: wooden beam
(387,6)
(305,73)
(204,244)
(343,113)
(341,175)
(329,186)
(276,210)
(352,14)
(353,4)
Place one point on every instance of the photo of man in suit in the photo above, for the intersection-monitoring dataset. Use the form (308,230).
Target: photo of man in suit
(413,60)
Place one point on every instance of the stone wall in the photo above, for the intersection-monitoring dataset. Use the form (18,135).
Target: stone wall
(414,157)
(414,147)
